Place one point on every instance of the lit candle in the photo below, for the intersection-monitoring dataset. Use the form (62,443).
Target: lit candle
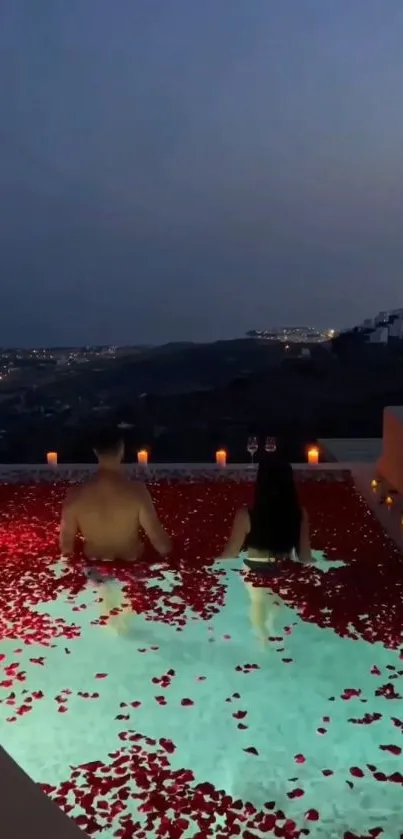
(388,500)
(221,457)
(51,458)
(313,455)
(374,484)
(142,457)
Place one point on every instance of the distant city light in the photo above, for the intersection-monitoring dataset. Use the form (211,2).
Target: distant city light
(293,334)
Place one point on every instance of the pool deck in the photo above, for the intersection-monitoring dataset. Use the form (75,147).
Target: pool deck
(40,818)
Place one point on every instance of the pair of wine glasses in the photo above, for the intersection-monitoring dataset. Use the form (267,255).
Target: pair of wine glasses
(253,445)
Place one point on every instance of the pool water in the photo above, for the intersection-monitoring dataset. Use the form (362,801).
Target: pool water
(127,731)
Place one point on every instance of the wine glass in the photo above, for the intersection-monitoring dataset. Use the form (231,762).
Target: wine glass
(252,447)
(270,445)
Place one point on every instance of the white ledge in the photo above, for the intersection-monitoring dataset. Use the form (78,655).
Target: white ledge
(169,467)
(75,472)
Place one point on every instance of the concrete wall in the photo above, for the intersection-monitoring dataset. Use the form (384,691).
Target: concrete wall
(25,811)
(390,464)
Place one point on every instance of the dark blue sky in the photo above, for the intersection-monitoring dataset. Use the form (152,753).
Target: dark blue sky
(191,169)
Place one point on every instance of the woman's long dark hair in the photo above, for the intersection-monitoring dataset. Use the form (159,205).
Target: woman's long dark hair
(276,514)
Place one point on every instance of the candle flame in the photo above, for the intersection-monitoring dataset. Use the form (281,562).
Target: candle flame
(313,454)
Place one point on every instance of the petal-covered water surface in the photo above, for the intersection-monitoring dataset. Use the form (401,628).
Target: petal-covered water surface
(173,719)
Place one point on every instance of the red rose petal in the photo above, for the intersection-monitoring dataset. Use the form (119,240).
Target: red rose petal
(167,745)
(357,772)
(394,750)
(312,815)
(296,793)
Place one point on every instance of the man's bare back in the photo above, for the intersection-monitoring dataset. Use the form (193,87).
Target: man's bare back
(109,511)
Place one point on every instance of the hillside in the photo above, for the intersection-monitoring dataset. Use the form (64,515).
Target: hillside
(185,400)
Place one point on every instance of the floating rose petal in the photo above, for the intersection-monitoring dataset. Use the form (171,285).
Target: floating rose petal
(167,745)
(357,772)
(394,750)
(312,815)
(296,793)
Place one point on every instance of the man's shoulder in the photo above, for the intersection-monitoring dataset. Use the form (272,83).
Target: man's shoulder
(242,514)
(139,489)
(73,495)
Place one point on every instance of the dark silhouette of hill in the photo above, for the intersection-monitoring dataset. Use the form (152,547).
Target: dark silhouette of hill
(185,400)
(173,368)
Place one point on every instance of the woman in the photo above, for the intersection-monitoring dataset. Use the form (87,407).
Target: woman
(271,531)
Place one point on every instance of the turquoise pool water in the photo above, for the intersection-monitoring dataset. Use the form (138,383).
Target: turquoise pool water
(276,727)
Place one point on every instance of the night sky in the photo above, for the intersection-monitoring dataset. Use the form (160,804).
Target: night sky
(191,169)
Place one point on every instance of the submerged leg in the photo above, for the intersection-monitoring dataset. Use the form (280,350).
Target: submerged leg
(113,600)
(111,597)
(272,605)
(262,610)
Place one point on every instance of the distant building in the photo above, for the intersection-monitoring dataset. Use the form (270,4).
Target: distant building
(384,326)
(293,334)
(396,327)
(380,335)
(381,318)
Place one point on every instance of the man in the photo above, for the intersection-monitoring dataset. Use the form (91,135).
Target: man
(109,510)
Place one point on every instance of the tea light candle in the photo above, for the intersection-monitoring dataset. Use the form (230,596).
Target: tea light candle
(51,458)
(142,457)
(221,457)
(388,500)
(374,484)
(313,455)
